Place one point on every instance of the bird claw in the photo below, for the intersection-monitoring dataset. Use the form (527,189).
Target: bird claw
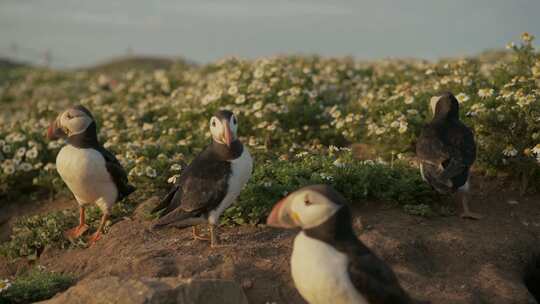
(93,239)
(76,232)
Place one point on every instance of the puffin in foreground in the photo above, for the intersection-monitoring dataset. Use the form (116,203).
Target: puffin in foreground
(92,173)
(211,183)
(329,264)
(446,150)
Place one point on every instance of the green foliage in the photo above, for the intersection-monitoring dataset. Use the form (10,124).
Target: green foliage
(357,180)
(35,285)
(32,234)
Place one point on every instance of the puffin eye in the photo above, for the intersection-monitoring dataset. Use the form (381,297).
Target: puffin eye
(307,202)
(68,115)
(213,123)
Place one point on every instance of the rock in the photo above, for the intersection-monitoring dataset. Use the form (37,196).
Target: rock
(174,290)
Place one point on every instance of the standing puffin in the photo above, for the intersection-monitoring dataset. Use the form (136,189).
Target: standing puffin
(446,150)
(211,183)
(92,173)
(329,264)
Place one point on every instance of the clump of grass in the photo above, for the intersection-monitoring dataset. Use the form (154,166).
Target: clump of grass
(34,233)
(357,180)
(35,285)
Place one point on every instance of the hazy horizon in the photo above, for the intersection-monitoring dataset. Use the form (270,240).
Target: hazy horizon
(79,33)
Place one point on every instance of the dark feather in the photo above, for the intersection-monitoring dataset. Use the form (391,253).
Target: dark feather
(446,147)
(117,172)
(202,186)
(531,277)
(370,275)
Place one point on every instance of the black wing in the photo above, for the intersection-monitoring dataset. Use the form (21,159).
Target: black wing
(372,277)
(117,172)
(430,148)
(200,189)
(447,153)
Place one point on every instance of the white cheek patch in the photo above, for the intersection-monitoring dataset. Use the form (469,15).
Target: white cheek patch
(312,215)
(77,125)
(433,103)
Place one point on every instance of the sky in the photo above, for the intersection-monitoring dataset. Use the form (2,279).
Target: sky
(81,32)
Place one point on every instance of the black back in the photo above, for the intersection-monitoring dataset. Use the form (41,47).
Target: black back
(202,186)
(88,140)
(531,277)
(449,143)
(370,275)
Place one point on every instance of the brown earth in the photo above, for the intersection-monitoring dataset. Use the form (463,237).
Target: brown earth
(444,259)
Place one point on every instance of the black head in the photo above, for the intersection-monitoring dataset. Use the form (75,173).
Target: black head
(446,107)
(74,121)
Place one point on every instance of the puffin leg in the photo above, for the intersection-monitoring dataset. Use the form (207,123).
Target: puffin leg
(214,238)
(197,236)
(97,235)
(467,213)
(76,232)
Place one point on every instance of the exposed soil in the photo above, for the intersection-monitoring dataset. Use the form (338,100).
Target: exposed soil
(443,259)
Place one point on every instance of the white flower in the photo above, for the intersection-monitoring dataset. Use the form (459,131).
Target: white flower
(484,93)
(26,167)
(267,184)
(240,99)
(176,167)
(4,285)
(150,172)
(462,97)
(409,99)
(173,179)
(536,149)
(32,153)
(6,149)
(338,163)
(8,167)
(326,177)
(509,151)
(402,127)
(233,90)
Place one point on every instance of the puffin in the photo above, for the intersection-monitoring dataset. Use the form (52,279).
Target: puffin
(92,174)
(210,183)
(329,264)
(446,150)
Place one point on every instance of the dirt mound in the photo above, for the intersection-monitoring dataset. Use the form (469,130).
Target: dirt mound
(443,259)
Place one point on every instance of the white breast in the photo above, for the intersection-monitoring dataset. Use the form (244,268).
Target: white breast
(85,174)
(241,169)
(320,273)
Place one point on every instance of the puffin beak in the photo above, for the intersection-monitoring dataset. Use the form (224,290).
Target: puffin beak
(227,134)
(55,131)
(281,215)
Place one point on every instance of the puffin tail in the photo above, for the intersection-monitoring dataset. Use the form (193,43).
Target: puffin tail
(531,276)
(165,202)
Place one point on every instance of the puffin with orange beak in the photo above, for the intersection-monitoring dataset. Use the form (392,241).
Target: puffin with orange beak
(92,173)
(211,183)
(329,264)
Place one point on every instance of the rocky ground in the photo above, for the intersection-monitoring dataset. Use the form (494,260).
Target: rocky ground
(442,258)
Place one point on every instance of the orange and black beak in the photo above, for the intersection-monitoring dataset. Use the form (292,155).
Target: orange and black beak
(55,131)
(227,134)
(281,215)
